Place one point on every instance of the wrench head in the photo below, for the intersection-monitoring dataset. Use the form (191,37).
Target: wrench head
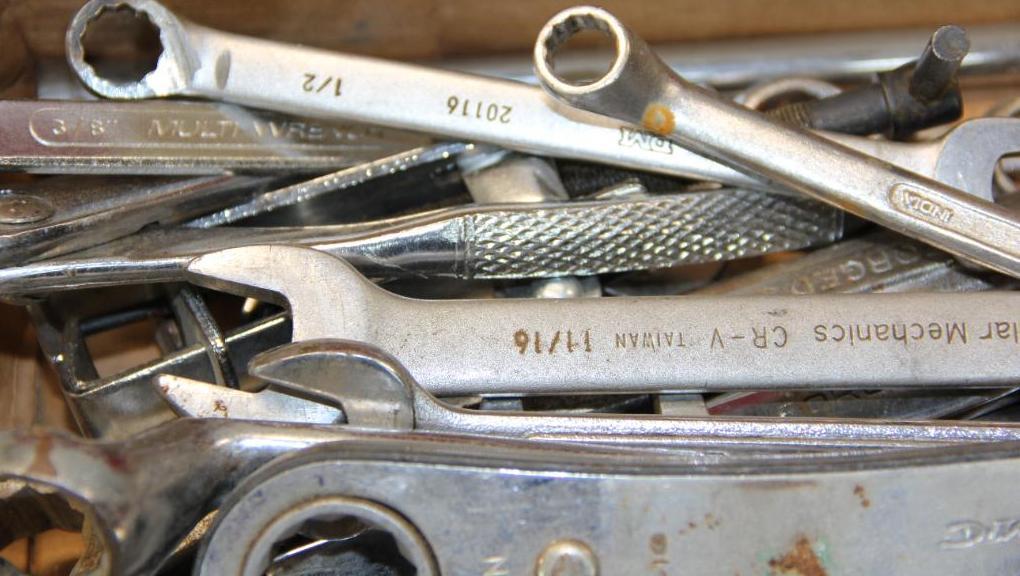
(327,297)
(635,75)
(970,152)
(372,387)
(173,70)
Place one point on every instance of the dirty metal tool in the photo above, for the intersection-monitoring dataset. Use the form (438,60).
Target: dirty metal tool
(481,241)
(335,381)
(144,495)
(913,97)
(589,514)
(182,138)
(54,216)
(116,406)
(637,344)
(639,88)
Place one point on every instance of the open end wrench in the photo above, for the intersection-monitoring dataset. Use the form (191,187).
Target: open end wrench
(481,241)
(639,88)
(334,381)
(598,345)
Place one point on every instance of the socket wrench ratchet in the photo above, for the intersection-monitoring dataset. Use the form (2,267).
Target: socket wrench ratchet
(639,88)
(68,137)
(491,508)
(598,345)
(480,241)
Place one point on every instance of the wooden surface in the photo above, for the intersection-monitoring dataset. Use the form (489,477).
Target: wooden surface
(415,29)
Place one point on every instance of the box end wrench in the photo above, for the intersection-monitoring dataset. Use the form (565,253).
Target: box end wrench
(639,88)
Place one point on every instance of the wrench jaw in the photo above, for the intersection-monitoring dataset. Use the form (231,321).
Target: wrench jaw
(635,74)
(373,388)
(174,69)
(972,150)
(327,296)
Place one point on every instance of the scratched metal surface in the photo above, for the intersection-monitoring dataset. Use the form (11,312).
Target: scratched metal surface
(632,236)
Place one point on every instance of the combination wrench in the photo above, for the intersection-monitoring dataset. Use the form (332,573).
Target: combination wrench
(197,61)
(334,381)
(480,241)
(639,88)
(602,345)
(187,138)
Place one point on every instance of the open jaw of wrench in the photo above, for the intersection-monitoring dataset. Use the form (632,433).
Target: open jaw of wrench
(48,137)
(334,381)
(637,344)
(603,516)
(483,241)
(639,88)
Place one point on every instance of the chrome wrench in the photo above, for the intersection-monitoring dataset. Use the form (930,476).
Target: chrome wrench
(639,88)
(65,137)
(200,61)
(332,382)
(197,61)
(598,345)
(468,508)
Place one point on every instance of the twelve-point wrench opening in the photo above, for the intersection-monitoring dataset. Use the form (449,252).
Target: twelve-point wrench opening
(172,69)
(567,24)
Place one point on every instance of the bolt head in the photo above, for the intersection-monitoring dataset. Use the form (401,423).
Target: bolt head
(567,558)
(23,209)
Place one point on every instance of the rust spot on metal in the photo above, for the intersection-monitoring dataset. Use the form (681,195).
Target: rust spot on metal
(862,495)
(801,561)
(221,406)
(658,544)
(658,119)
(711,522)
(41,463)
(690,526)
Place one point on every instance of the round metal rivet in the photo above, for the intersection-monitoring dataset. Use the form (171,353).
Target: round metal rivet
(23,209)
(567,558)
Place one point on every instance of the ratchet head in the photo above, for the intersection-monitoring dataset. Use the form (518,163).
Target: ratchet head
(174,68)
(327,297)
(635,75)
